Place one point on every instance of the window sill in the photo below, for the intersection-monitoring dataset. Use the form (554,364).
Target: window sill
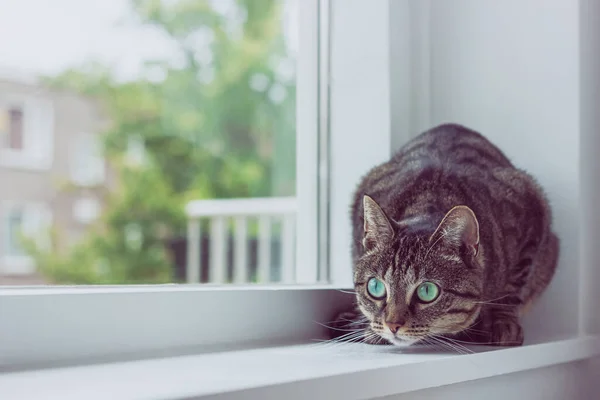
(331,371)
(23,160)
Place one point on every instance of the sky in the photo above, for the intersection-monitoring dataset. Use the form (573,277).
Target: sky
(48,36)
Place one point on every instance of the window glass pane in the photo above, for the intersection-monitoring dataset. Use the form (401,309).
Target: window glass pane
(14,230)
(173,137)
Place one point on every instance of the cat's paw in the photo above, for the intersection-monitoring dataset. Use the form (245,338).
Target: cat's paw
(506,332)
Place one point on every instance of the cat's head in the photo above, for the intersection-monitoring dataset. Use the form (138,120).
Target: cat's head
(418,279)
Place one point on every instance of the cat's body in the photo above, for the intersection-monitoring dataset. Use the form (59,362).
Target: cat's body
(489,258)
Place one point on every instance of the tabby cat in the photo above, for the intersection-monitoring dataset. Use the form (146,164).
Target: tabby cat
(450,241)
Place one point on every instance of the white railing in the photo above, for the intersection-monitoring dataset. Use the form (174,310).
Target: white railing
(238,213)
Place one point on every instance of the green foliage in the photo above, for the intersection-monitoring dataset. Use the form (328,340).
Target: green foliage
(207,134)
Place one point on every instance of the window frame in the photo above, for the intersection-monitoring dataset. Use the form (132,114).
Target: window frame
(306,297)
(51,326)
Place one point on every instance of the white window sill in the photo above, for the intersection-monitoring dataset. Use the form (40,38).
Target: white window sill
(24,161)
(331,371)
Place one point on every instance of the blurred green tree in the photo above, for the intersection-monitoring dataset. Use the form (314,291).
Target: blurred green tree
(219,123)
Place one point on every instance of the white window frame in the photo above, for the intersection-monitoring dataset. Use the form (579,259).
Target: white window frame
(38,133)
(311,119)
(371,76)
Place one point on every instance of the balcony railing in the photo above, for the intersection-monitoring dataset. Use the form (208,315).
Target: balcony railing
(233,226)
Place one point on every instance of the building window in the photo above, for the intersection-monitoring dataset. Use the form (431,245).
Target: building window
(87,161)
(26,132)
(14,229)
(31,220)
(11,128)
(86,210)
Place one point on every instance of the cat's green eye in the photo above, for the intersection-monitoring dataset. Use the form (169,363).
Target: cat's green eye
(376,288)
(428,292)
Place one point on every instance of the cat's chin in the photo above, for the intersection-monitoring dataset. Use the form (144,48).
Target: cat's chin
(402,342)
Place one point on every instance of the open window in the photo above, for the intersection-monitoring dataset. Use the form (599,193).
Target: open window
(232,150)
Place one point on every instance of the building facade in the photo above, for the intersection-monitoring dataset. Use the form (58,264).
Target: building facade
(51,167)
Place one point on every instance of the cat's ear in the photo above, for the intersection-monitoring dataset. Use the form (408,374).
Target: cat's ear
(377,227)
(459,226)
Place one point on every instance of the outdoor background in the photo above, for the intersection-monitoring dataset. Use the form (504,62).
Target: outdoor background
(198,100)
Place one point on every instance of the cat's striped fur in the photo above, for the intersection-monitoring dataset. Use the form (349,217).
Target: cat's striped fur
(491,257)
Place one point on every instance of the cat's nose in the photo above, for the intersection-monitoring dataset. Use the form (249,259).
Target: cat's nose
(394,326)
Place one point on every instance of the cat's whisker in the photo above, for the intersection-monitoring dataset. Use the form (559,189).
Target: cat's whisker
(447,339)
(358,337)
(431,343)
(459,345)
(459,348)
(351,333)
(345,324)
(362,320)
(438,343)
(347,329)
(332,343)
(491,301)
(336,329)
(472,343)
(351,338)
(473,330)
(442,345)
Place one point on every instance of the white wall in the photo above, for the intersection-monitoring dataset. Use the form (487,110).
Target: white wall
(510,69)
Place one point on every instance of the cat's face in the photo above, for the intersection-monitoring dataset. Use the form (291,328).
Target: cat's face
(412,284)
